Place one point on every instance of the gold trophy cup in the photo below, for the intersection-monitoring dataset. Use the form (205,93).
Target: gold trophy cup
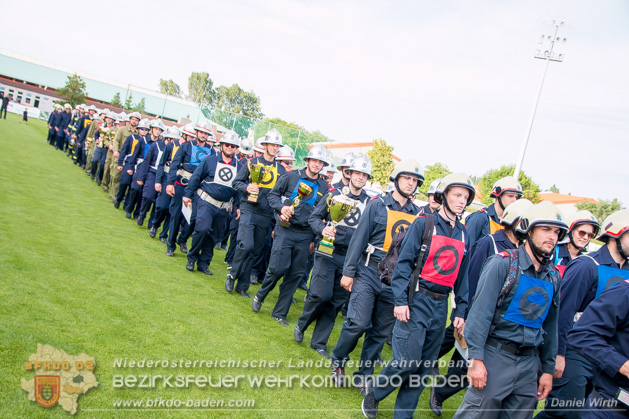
(339,207)
(302,192)
(256,172)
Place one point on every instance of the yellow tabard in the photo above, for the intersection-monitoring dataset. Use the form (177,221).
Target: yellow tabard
(397,221)
(269,178)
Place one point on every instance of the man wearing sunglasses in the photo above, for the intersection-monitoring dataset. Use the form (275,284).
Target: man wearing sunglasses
(585,278)
(583,228)
(212,182)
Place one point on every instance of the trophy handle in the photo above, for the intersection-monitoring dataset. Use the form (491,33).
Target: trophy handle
(328,200)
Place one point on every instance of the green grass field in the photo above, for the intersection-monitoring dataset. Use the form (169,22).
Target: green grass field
(77,275)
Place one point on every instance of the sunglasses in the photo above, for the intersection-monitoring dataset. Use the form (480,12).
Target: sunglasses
(582,234)
(288,162)
(230,145)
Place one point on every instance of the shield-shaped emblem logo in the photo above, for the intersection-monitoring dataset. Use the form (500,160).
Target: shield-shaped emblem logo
(47,389)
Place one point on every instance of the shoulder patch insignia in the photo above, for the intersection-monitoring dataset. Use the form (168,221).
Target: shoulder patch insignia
(504,254)
(373,197)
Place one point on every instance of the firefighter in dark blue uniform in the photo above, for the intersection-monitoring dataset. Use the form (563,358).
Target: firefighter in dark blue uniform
(72,130)
(147,171)
(585,278)
(131,155)
(424,276)
(602,336)
(488,246)
(583,227)
(64,121)
(432,206)
(508,337)
(162,203)
(212,181)
(83,127)
(345,163)
(53,125)
(487,221)
(256,217)
(326,296)
(293,239)
(188,157)
(371,301)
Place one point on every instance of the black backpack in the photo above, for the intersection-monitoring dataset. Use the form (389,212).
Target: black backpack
(387,264)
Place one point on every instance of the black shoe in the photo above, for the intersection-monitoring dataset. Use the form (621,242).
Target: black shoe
(303,287)
(183,247)
(253,280)
(229,266)
(281,321)
(140,221)
(163,240)
(170,253)
(243,293)
(152,232)
(256,304)
(323,353)
(116,204)
(338,375)
(435,406)
(224,248)
(91,176)
(98,182)
(127,214)
(190,266)
(369,405)
(361,385)
(205,271)
(298,335)
(229,283)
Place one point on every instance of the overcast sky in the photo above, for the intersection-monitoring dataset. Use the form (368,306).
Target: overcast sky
(442,81)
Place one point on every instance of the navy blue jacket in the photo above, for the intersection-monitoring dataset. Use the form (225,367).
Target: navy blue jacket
(285,189)
(83,128)
(204,178)
(339,185)
(602,336)
(129,154)
(345,229)
(562,255)
(167,158)
(481,251)
(481,315)
(243,180)
(477,223)
(64,120)
(151,160)
(409,252)
(372,230)
(184,159)
(578,289)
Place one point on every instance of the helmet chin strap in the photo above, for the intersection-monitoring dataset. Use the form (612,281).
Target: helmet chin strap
(397,188)
(500,202)
(571,237)
(619,248)
(540,257)
(449,210)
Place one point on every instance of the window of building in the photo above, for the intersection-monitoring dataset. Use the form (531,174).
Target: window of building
(28,98)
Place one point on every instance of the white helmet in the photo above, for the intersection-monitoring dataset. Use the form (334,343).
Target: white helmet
(111,115)
(408,167)
(230,137)
(433,186)
(362,164)
(67,106)
(246,147)
(347,160)
(272,137)
(543,214)
(514,211)
(204,126)
(144,124)
(317,153)
(135,115)
(124,117)
(452,180)
(285,153)
(190,129)
(157,123)
(615,225)
(172,132)
(506,184)
(259,147)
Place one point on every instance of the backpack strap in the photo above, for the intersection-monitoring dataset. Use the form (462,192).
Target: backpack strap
(512,274)
(426,239)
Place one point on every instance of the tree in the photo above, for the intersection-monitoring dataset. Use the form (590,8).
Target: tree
(554,189)
(382,162)
(128,104)
(139,107)
(600,209)
(432,173)
(530,188)
(235,99)
(170,88)
(116,101)
(201,89)
(73,92)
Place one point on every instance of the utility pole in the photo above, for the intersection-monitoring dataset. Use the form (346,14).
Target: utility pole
(544,52)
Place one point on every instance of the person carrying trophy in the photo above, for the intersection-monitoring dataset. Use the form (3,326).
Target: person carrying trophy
(294,197)
(371,301)
(254,182)
(188,157)
(102,139)
(212,182)
(335,220)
